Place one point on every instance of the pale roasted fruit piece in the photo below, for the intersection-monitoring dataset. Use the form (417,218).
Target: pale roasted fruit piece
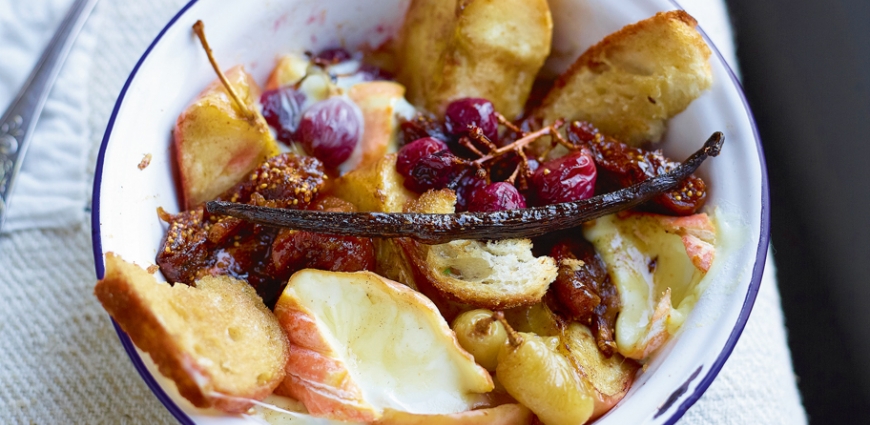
(538,376)
(375,186)
(361,344)
(607,378)
(217,341)
(610,378)
(657,263)
(482,335)
(288,70)
(634,80)
(216,144)
(378,101)
(491,49)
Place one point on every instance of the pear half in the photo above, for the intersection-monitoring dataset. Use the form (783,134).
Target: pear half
(216,144)
(361,343)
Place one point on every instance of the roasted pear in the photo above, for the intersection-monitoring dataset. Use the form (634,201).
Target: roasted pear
(534,372)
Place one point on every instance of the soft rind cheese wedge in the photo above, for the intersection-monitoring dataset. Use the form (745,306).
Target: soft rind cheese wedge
(656,263)
(361,344)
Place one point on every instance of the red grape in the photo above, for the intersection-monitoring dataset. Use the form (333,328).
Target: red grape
(413,152)
(471,111)
(332,56)
(499,196)
(569,178)
(435,171)
(465,186)
(330,130)
(373,73)
(281,109)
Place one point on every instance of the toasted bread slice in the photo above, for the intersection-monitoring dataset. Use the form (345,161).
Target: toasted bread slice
(450,49)
(217,341)
(488,274)
(634,80)
(491,274)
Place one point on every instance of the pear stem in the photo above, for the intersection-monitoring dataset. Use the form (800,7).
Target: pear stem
(199,29)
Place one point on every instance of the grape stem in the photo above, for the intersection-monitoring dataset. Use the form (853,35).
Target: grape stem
(442,228)
(199,29)
(514,337)
(521,142)
(510,126)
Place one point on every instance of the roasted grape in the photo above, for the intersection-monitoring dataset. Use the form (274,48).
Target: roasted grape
(499,196)
(282,109)
(471,181)
(462,114)
(421,126)
(413,152)
(332,56)
(481,335)
(435,171)
(330,130)
(566,179)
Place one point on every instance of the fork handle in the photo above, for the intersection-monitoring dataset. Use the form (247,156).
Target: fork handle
(19,120)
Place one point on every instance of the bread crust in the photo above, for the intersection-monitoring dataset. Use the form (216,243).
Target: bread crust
(123,294)
(638,78)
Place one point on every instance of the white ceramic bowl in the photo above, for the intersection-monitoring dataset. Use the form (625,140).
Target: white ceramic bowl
(174,69)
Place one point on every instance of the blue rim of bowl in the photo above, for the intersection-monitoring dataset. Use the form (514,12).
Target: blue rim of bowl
(742,318)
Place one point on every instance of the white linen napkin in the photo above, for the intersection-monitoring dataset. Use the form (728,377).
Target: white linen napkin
(51,190)
(60,360)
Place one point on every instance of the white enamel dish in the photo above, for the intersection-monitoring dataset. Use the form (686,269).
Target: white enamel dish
(174,70)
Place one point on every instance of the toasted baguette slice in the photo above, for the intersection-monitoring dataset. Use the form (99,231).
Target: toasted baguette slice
(485,274)
(634,80)
(218,342)
(491,274)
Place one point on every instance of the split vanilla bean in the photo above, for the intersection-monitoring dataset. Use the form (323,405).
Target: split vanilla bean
(442,228)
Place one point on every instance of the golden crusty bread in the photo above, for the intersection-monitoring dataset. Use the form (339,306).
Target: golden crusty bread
(634,80)
(489,274)
(450,49)
(217,341)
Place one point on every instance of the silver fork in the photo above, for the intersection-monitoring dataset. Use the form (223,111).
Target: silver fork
(19,120)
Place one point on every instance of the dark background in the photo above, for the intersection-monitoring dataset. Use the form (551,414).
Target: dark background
(806,71)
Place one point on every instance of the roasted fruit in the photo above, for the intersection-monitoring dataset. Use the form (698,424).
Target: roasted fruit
(634,80)
(482,335)
(289,70)
(330,130)
(216,144)
(609,377)
(622,165)
(483,49)
(361,344)
(534,372)
(375,187)
(583,291)
(381,105)
(217,341)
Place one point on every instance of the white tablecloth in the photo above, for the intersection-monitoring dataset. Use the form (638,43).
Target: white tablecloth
(60,360)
